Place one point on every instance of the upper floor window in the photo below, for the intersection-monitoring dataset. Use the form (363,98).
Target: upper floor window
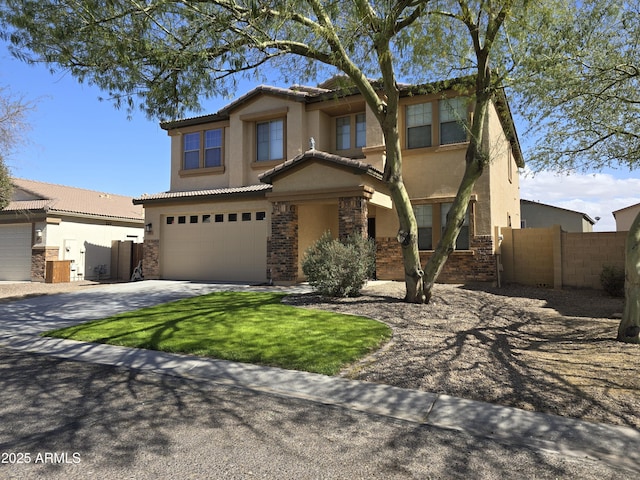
(361,130)
(191,150)
(270,140)
(453,118)
(418,120)
(348,137)
(213,148)
(209,142)
(343,133)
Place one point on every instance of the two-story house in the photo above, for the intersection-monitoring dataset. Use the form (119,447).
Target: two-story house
(256,183)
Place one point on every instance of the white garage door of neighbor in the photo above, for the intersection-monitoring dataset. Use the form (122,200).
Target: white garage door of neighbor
(15,252)
(223,247)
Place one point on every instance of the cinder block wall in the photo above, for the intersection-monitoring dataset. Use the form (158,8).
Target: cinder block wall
(585,254)
(550,257)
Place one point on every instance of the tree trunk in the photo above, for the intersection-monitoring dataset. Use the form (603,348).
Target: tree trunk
(476,159)
(408,230)
(629,329)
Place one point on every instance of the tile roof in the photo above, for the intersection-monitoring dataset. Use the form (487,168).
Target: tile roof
(357,165)
(198,194)
(31,195)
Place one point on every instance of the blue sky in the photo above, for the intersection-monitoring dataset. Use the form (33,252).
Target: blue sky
(79,141)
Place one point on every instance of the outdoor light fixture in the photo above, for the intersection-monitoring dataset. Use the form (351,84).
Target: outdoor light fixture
(148,227)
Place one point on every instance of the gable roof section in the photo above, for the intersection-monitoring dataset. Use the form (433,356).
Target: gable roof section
(356,165)
(630,207)
(251,190)
(34,196)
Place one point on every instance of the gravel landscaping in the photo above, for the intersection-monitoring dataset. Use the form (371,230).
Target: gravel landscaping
(545,350)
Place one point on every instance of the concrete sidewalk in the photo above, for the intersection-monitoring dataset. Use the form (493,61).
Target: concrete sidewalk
(21,321)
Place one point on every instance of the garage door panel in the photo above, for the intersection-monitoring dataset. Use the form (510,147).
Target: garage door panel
(216,251)
(15,252)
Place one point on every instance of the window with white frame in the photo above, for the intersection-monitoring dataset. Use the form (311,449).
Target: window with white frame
(351,131)
(270,140)
(418,122)
(453,120)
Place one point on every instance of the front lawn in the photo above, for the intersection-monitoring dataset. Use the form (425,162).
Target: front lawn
(241,326)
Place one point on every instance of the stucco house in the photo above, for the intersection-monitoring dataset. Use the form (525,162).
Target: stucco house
(256,183)
(541,215)
(55,222)
(625,217)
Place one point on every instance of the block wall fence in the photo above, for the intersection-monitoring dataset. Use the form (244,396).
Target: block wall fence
(549,257)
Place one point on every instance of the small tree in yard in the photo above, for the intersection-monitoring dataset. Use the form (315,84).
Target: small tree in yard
(584,101)
(170,53)
(339,268)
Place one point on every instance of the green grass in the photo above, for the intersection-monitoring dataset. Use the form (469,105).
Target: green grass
(241,326)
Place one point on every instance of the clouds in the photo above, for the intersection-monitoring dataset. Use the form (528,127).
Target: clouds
(596,194)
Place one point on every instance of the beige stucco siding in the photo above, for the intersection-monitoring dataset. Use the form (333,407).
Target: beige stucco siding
(313,221)
(503,178)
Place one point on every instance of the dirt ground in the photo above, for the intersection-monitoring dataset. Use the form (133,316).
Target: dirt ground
(537,349)
(545,350)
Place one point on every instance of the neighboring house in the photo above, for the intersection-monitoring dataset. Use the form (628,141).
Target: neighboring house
(540,215)
(625,217)
(258,182)
(53,222)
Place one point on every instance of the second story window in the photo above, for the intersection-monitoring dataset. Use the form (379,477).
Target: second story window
(202,149)
(418,120)
(453,118)
(348,137)
(361,130)
(213,148)
(343,133)
(191,151)
(270,140)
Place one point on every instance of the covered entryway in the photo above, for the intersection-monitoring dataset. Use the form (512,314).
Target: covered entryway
(313,193)
(15,252)
(217,246)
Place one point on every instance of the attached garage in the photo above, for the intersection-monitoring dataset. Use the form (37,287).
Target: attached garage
(215,246)
(15,252)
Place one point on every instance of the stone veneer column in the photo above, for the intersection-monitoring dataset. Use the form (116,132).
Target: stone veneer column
(283,247)
(39,257)
(352,216)
(151,259)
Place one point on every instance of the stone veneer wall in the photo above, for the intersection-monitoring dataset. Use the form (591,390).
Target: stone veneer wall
(352,216)
(476,265)
(151,259)
(283,247)
(39,257)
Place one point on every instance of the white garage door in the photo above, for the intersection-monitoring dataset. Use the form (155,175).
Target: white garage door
(230,246)
(15,252)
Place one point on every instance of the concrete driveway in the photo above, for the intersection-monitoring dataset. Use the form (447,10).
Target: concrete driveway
(38,314)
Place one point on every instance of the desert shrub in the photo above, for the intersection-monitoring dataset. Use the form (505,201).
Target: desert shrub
(612,280)
(339,268)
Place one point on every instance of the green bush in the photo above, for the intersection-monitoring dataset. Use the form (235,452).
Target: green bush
(339,269)
(612,280)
